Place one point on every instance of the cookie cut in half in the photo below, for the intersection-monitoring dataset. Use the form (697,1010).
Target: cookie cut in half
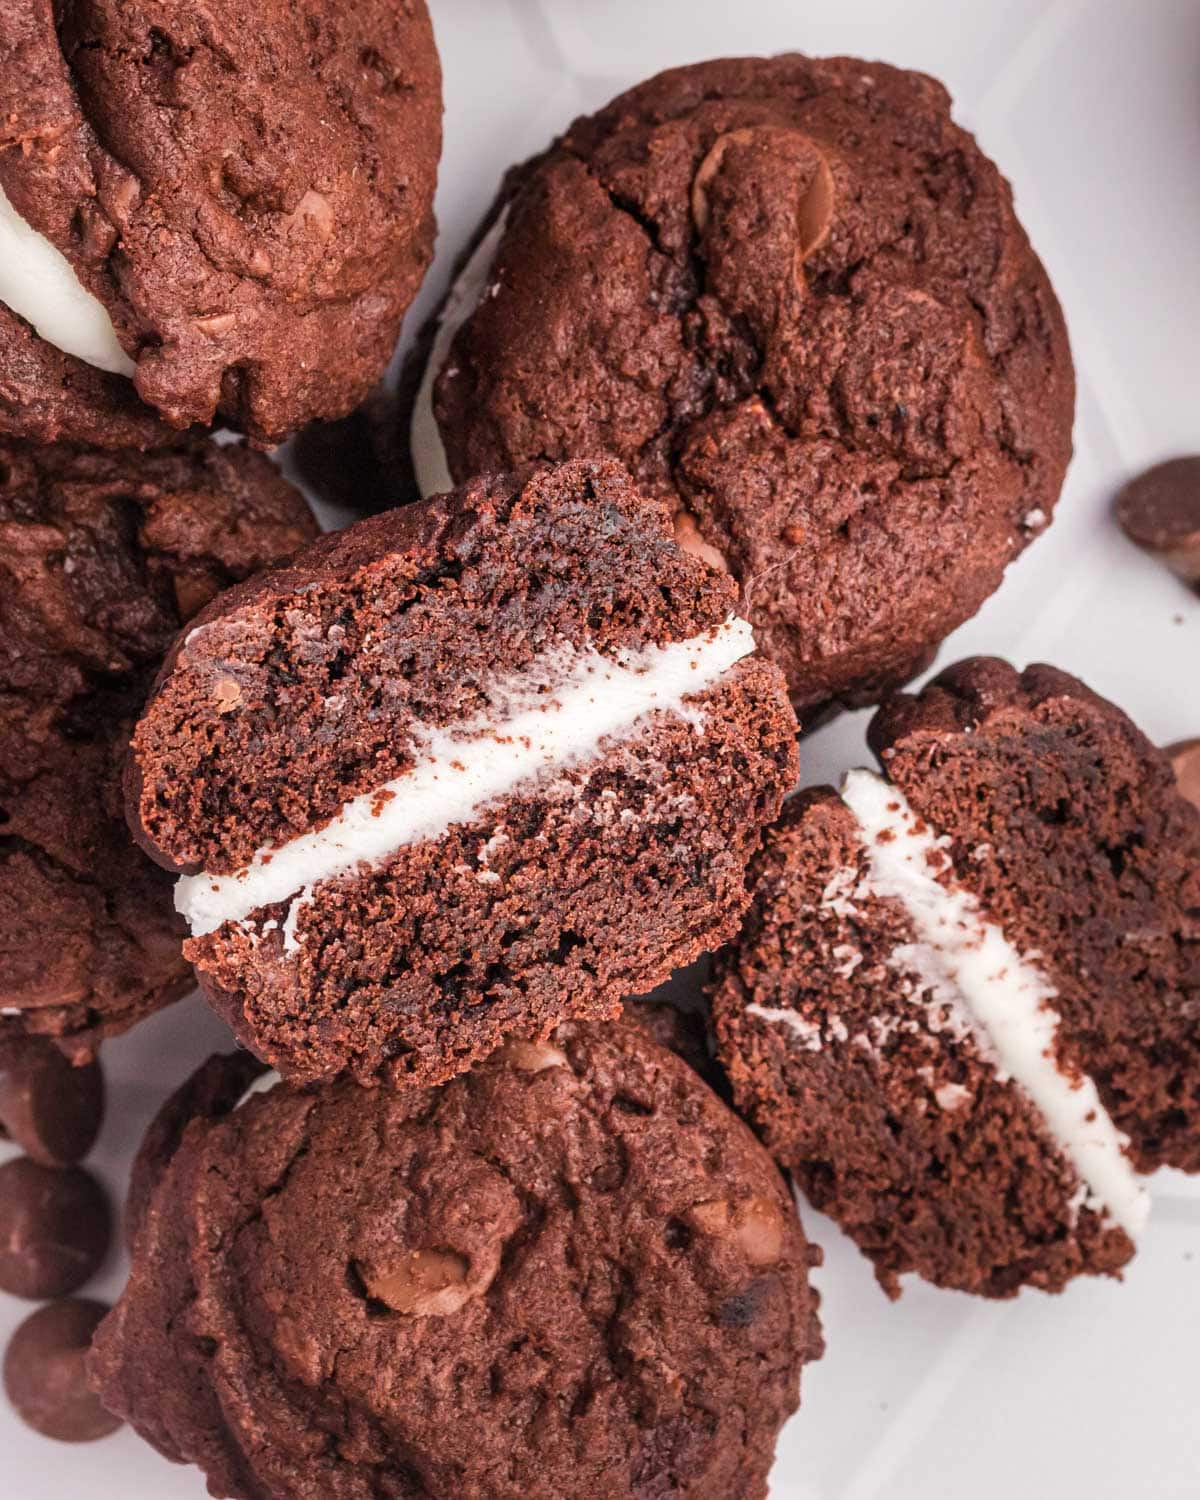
(465,769)
(571,1272)
(794,298)
(964,1009)
(208,212)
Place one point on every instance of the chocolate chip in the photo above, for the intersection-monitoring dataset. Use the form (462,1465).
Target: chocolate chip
(427,1283)
(773,186)
(531,1057)
(1160,511)
(1185,759)
(45,1373)
(688,536)
(51,1109)
(228,694)
(55,1228)
(754,1226)
(783,153)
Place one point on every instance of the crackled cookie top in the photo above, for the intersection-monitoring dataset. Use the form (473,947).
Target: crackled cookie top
(793,297)
(213,216)
(102,557)
(571,1272)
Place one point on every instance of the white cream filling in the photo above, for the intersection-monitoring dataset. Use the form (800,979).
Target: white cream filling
(39,284)
(807,1033)
(1005,994)
(553,715)
(263,1084)
(425,439)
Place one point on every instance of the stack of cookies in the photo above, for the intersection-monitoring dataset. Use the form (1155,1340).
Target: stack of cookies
(747,392)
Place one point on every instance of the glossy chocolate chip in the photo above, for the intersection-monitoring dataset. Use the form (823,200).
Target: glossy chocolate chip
(45,1372)
(424,1284)
(1160,511)
(55,1228)
(49,1107)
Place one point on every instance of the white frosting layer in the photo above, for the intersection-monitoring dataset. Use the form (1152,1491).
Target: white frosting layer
(38,283)
(1004,993)
(425,440)
(553,715)
(263,1084)
(807,1033)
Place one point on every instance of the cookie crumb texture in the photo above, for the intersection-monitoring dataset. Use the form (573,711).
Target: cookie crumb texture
(250,197)
(794,298)
(848,1048)
(592,875)
(102,556)
(569,1273)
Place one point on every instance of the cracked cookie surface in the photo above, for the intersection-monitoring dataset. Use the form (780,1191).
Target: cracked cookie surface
(793,297)
(102,558)
(252,204)
(571,1272)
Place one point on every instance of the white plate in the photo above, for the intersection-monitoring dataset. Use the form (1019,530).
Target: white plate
(1092,108)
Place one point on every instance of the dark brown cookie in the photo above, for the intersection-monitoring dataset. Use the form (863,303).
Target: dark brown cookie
(102,557)
(249,202)
(47,396)
(462,770)
(793,297)
(355,462)
(45,1373)
(965,1008)
(575,1243)
(684,1032)
(213,1090)
(1185,762)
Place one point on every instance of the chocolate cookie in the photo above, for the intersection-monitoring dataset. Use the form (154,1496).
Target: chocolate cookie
(464,769)
(102,557)
(965,1008)
(569,1273)
(203,218)
(793,297)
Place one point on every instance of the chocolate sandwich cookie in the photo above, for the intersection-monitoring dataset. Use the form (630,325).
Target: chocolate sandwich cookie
(571,1272)
(464,769)
(964,1010)
(207,217)
(102,557)
(794,298)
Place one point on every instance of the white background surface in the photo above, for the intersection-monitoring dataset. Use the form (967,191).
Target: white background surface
(1092,108)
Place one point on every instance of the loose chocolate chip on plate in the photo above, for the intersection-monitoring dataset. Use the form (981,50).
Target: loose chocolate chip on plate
(45,1372)
(51,1109)
(1160,511)
(55,1228)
